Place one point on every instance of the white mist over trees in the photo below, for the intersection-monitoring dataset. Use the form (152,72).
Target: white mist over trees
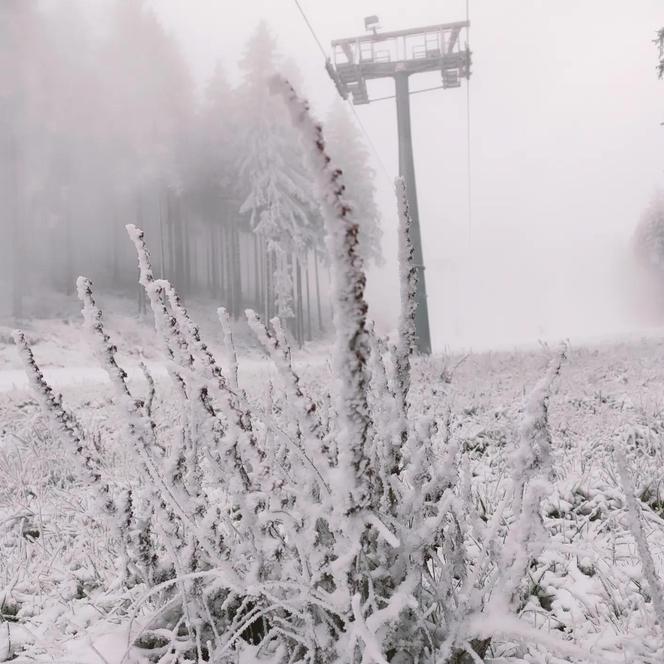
(100,130)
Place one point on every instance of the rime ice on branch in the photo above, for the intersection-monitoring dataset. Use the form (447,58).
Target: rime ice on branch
(66,423)
(407,290)
(104,348)
(350,317)
(51,405)
(533,455)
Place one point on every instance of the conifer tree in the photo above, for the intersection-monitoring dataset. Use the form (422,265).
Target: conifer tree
(649,235)
(149,94)
(277,191)
(22,57)
(212,191)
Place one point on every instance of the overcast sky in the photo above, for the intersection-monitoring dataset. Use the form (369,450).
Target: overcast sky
(566,150)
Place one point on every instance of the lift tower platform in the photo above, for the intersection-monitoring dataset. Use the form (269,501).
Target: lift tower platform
(399,55)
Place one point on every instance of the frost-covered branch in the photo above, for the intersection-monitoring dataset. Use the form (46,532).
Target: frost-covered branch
(61,419)
(197,369)
(350,307)
(65,423)
(104,348)
(172,502)
(532,473)
(533,454)
(405,346)
(168,331)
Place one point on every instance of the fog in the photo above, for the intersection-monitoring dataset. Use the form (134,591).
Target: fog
(565,149)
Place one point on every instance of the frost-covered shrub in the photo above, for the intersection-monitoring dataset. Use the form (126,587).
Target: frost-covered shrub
(312,528)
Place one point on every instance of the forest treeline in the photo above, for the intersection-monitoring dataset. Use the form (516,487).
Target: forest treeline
(101,124)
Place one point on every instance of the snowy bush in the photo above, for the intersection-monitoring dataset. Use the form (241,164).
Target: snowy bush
(342,525)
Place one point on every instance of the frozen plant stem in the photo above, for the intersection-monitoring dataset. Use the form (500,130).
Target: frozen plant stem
(408,296)
(350,307)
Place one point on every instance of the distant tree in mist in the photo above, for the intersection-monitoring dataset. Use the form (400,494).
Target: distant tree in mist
(211,187)
(278,191)
(350,153)
(69,140)
(149,117)
(20,56)
(660,45)
(100,128)
(649,235)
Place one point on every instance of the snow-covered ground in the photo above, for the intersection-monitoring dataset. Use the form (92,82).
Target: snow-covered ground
(61,600)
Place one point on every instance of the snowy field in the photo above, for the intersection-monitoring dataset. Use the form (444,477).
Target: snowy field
(62,599)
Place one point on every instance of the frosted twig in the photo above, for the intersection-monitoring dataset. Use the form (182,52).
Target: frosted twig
(350,310)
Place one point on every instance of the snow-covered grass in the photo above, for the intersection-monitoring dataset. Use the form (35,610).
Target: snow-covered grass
(58,567)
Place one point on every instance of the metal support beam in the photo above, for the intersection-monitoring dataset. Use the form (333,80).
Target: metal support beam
(397,55)
(407,171)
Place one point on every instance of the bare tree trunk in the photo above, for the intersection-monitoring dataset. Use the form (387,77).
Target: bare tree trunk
(264,280)
(211,257)
(226,253)
(299,309)
(139,222)
(178,253)
(15,245)
(221,262)
(270,283)
(69,246)
(318,307)
(291,323)
(186,252)
(161,232)
(257,275)
(237,277)
(170,225)
(306,278)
